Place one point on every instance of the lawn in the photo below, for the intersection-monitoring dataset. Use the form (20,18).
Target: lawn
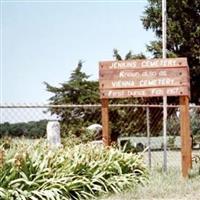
(168,185)
(164,186)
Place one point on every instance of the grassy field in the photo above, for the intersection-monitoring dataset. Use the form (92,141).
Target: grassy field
(164,186)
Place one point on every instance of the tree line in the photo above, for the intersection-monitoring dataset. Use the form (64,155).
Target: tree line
(30,129)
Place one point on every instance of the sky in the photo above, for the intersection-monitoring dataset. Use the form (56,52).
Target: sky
(44,40)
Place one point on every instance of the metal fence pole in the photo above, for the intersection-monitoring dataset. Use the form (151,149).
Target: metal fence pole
(148,136)
(165,133)
(164,55)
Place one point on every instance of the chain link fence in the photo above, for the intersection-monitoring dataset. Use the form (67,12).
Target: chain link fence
(133,127)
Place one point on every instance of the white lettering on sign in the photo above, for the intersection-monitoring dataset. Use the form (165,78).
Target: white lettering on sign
(156,92)
(129,74)
(169,91)
(163,73)
(125,74)
(149,73)
(158,63)
(151,63)
(123,84)
(113,93)
(123,65)
(136,93)
(173,91)
(154,82)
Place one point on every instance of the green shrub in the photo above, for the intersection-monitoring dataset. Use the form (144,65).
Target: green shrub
(80,172)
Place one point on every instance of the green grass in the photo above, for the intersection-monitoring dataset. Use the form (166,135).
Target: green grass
(164,186)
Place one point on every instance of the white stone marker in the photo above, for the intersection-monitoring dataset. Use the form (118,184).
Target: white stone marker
(53,134)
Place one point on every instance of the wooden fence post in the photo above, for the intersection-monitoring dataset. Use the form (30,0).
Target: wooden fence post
(105,122)
(186,146)
(148,136)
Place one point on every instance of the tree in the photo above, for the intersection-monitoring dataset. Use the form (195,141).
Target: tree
(78,90)
(183,34)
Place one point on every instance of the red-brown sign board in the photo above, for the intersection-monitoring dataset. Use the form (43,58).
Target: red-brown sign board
(144,78)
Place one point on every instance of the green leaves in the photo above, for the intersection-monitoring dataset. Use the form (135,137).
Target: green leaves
(81,172)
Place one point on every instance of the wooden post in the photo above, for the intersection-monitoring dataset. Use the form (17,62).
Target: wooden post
(148,136)
(105,122)
(186,146)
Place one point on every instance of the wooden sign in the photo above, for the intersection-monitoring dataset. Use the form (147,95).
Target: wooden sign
(144,78)
(148,78)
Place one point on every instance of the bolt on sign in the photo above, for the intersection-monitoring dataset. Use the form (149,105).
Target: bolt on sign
(148,78)
(144,78)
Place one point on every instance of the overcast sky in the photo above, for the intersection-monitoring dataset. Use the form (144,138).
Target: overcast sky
(43,41)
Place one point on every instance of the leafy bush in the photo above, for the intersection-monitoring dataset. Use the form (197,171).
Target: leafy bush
(81,172)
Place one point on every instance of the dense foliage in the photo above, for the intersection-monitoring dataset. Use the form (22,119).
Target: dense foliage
(183,34)
(31,172)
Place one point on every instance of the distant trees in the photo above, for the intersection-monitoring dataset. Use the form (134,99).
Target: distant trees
(30,129)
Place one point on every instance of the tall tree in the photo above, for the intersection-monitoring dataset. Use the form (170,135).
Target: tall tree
(183,34)
(78,90)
